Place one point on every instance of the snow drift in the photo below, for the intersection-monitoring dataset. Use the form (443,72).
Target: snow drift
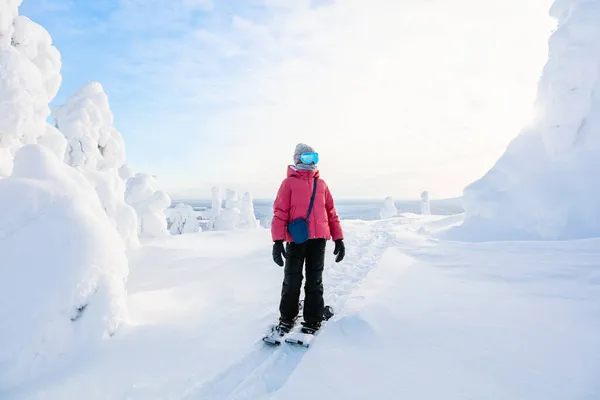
(63,269)
(544,186)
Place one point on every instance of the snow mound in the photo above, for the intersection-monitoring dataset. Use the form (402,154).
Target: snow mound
(98,150)
(389,209)
(149,204)
(63,269)
(543,187)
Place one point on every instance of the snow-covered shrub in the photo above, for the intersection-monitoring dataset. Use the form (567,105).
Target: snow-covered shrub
(544,186)
(389,209)
(182,219)
(62,266)
(97,149)
(247,217)
(29,79)
(425,204)
(149,204)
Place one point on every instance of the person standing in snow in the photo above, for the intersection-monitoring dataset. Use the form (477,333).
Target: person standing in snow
(293,203)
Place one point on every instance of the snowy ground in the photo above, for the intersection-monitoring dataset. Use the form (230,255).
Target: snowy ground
(417,318)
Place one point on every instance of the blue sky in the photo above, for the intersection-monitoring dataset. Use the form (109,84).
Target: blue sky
(397,96)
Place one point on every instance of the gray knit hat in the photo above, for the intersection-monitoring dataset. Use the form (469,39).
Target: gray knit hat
(301,148)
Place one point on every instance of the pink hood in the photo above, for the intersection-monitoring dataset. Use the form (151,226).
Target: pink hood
(293,200)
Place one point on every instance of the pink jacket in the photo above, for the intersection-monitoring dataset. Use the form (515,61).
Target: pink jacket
(293,200)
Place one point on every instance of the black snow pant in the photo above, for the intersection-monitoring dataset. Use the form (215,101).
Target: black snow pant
(313,252)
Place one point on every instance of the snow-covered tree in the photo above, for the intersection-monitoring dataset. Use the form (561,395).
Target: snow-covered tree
(247,217)
(216,202)
(389,208)
(29,79)
(63,266)
(229,219)
(149,203)
(33,41)
(544,186)
(97,149)
(425,204)
(182,219)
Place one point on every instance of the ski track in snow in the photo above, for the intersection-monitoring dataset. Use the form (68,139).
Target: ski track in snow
(265,370)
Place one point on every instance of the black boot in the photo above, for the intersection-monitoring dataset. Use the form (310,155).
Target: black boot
(310,328)
(285,326)
(327,313)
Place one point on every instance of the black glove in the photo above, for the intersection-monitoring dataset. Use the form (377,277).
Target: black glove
(340,250)
(279,252)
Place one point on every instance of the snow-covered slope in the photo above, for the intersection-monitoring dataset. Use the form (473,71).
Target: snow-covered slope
(545,185)
(415,318)
(62,267)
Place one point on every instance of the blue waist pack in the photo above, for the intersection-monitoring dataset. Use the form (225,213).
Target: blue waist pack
(298,228)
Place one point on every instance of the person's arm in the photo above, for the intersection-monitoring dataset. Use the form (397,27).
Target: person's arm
(334,220)
(281,212)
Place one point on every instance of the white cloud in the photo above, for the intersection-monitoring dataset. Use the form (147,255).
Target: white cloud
(397,96)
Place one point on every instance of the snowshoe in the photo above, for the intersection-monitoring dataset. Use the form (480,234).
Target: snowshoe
(277,332)
(308,332)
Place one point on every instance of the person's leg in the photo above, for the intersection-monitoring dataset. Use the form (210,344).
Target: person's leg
(292,282)
(313,289)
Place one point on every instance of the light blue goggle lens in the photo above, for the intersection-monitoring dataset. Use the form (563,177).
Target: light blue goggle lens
(309,158)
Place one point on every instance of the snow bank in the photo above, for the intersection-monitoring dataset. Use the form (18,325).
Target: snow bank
(98,150)
(63,266)
(544,186)
(425,204)
(182,219)
(389,209)
(29,79)
(149,204)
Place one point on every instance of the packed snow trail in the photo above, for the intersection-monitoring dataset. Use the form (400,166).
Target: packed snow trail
(265,370)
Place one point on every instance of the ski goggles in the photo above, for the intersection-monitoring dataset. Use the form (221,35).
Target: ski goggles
(309,158)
